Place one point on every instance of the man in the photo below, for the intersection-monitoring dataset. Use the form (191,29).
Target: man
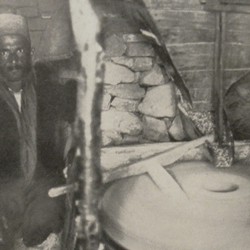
(26,136)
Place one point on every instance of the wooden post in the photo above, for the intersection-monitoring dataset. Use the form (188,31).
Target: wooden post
(218,86)
(86,27)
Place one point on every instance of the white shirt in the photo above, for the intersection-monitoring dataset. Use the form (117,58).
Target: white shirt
(18,97)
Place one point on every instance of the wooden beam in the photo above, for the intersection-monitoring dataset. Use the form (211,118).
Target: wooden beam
(240,2)
(217,5)
(86,28)
(218,88)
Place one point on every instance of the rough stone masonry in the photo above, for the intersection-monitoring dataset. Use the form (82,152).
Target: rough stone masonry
(139,103)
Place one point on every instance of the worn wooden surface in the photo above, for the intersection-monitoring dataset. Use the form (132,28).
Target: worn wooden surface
(227,5)
(120,157)
(157,160)
(189,31)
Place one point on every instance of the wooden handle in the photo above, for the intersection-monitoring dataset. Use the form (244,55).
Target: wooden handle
(164,159)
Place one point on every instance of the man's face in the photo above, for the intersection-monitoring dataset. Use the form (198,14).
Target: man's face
(15,57)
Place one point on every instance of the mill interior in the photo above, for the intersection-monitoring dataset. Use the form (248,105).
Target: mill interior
(169,162)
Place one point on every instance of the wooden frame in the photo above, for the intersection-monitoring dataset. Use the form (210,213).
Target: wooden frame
(240,6)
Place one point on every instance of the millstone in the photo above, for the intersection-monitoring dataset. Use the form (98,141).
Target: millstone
(215,216)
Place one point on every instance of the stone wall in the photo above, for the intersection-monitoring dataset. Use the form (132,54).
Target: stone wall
(139,103)
(186,28)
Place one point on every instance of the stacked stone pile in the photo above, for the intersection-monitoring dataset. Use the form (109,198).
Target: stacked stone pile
(139,102)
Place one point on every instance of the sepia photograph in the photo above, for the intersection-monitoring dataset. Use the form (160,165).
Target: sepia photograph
(124,125)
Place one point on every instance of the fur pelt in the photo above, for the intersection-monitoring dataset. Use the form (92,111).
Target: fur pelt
(237,106)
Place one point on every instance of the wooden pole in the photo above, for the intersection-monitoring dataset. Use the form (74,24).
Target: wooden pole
(218,87)
(86,27)
(223,149)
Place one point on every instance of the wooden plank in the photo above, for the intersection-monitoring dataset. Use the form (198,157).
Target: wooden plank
(174,4)
(191,48)
(185,26)
(238,36)
(119,157)
(183,18)
(192,55)
(216,5)
(154,163)
(198,56)
(238,21)
(231,76)
(199,79)
(186,35)
(193,61)
(237,56)
(241,2)
(203,79)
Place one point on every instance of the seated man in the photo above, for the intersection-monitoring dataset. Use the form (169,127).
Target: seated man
(30,161)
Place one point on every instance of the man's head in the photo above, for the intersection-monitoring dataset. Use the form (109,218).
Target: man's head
(15,48)
(15,57)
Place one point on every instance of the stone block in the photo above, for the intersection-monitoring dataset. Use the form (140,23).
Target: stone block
(114,46)
(140,49)
(125,104)
(176,131)
(131,139)
(142,63)
(135,64)
(115,74)
(134,38)
(154,129)
(168,121)
(111,138)
(159,102)
(107,87)
(137,76)
(122,122)
(127,91)
(106,101)
(124,61)
(153,77)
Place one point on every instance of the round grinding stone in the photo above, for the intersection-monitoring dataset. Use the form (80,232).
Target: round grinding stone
(215,216)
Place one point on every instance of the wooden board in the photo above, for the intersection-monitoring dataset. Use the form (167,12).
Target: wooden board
(174,4)
(227,5)
(240,2)
(120,157)
(189,32)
